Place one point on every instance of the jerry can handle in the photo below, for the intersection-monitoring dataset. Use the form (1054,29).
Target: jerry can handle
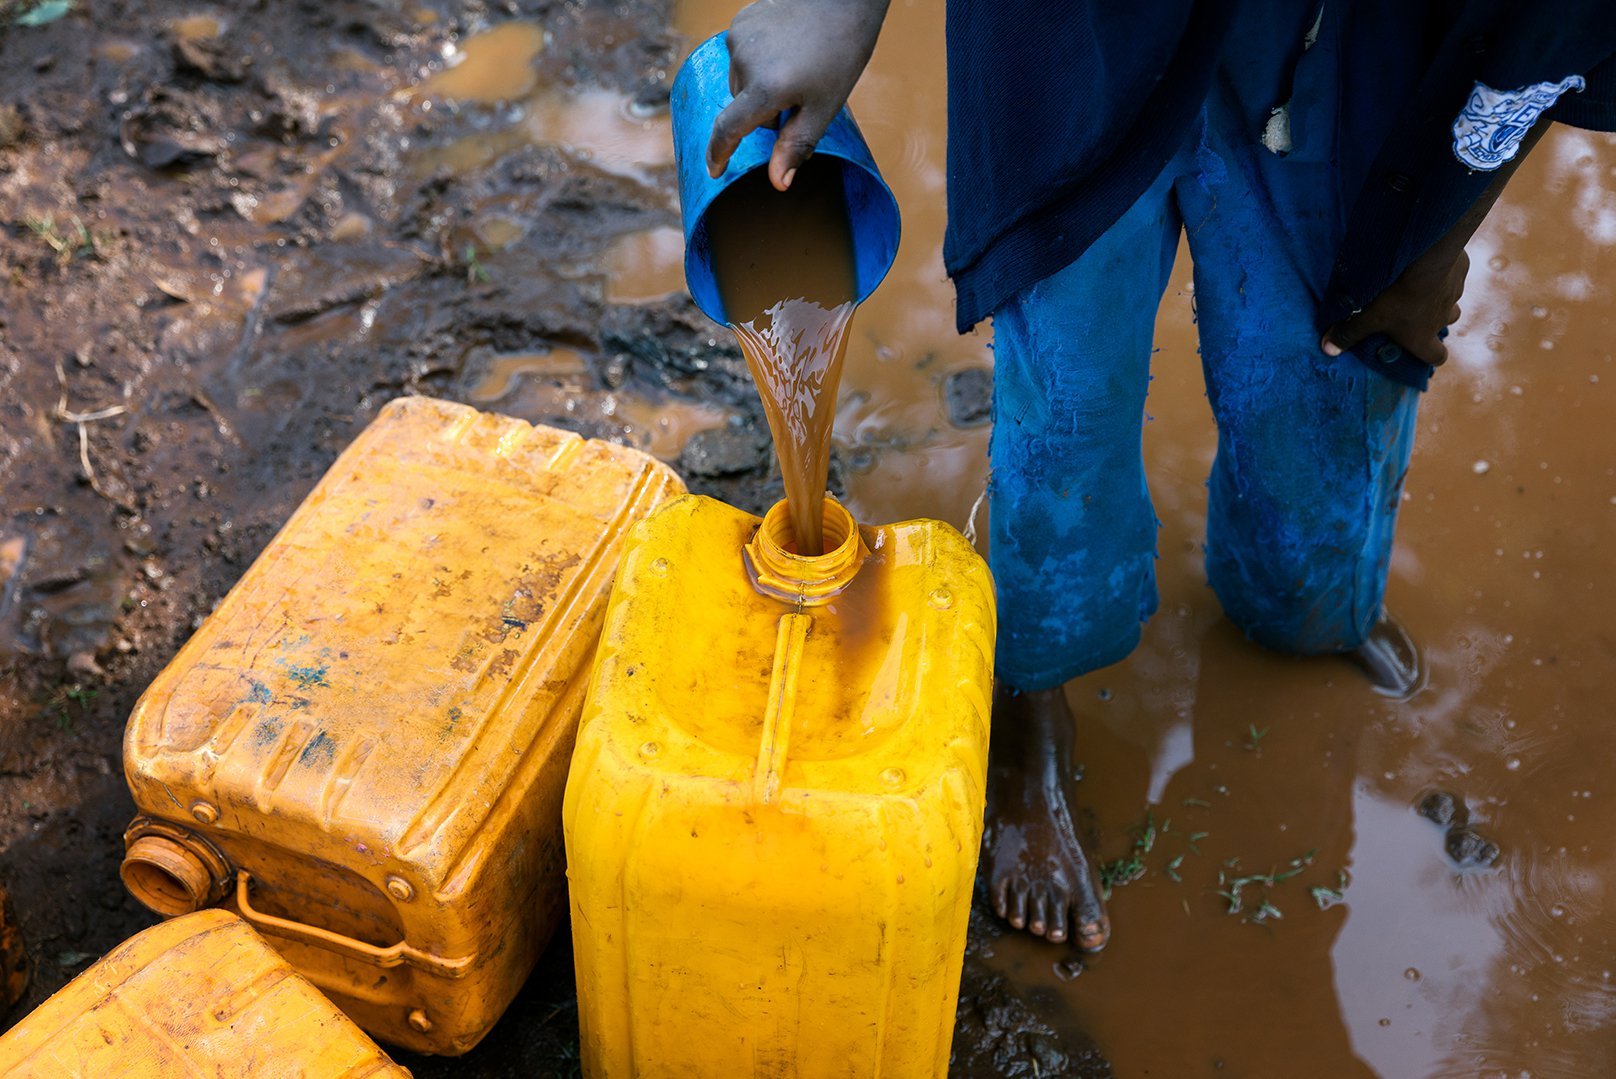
(400,954)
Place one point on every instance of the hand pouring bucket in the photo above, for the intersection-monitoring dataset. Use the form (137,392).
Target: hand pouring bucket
(700,93)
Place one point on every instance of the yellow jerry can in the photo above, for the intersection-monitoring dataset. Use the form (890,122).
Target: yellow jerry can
(199,995)
(775,805)
(363,750)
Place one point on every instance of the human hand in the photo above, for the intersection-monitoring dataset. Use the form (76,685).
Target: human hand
(796,56)
(1412,311)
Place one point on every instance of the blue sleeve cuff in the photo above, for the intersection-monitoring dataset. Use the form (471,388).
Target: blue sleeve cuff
(1386,358)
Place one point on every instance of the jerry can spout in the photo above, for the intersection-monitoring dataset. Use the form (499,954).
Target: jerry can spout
(777,570)
(171,871)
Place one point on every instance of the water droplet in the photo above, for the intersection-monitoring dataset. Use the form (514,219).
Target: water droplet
(1497,262)
(659,566)
(1558,910)
(1481,468)
(893,777)
(1412,974)
(942,598)
(1385,1022)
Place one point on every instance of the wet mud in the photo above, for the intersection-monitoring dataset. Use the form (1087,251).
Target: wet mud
(228,235)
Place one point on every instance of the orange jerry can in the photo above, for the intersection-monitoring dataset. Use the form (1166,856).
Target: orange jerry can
(14,967)
(775,805)
(362,750)
(199,995)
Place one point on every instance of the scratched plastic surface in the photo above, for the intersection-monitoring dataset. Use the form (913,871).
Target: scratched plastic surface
(775,806)
(365,745)
(201,995)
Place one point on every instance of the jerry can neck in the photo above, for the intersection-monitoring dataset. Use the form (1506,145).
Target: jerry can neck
(777,570)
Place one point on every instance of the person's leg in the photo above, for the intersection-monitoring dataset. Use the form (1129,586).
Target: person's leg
(1311,449)
(1073,542)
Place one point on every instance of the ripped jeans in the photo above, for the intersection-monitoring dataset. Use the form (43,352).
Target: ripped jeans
(1311,452)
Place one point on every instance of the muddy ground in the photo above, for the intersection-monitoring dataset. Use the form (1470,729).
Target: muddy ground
(224,244)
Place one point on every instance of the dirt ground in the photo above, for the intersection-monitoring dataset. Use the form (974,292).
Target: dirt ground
(227,237)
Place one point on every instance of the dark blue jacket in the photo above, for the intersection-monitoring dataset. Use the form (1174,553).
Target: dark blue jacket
(1062,112)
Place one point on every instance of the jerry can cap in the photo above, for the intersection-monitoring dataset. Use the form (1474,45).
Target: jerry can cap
(777,570)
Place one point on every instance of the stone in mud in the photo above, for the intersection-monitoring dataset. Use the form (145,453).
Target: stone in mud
(290,111)
(675,343)
(723,451)
(207,58)
(1444,808)
(969,397)
(169,130)
(320,278)
(997,1033)
(652,97)
(48,582)
(1469,849)
(82,665)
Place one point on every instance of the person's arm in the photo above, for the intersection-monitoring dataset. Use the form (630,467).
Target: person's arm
(1418,306)
(800,57)
(1414,309)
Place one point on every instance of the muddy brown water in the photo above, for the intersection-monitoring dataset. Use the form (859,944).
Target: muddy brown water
(1401,964)
(783,261)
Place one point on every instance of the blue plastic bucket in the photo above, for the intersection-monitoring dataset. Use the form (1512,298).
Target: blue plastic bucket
(700,93)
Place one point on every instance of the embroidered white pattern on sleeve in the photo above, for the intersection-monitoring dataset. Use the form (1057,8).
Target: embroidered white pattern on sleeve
(1493,123)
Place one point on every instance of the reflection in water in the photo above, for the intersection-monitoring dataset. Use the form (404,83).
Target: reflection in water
(1501,573)
(1401,993)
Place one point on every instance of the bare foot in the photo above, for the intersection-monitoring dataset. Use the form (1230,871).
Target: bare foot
(1390,660)
(1038,876)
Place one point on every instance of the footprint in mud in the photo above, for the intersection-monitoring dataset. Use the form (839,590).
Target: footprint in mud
(1466,848)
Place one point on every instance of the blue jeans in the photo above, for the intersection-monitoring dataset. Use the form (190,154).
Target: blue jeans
(1311,450)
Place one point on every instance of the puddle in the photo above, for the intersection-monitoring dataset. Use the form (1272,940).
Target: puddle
(493,66)
(591,125)
(599,126)
(196,27)
(117,51)
(1501,574)
(647,265)
(560,386)
(505,372)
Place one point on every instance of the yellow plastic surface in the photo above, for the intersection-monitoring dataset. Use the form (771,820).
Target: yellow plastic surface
(198,996)
(775,807)
(372,731)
